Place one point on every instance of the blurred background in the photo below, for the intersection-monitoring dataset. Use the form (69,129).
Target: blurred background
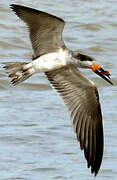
(36,136)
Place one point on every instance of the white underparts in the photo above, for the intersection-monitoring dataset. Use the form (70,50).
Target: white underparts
(49,62)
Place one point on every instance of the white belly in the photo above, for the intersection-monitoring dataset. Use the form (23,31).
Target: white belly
(51,61)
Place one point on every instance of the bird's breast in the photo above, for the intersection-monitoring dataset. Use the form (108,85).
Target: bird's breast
(51,61)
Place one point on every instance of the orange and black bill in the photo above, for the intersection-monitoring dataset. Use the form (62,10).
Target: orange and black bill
(101,72)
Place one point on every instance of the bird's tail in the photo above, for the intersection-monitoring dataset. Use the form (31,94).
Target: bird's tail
(19,71)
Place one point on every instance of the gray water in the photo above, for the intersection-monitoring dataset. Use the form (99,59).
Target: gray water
(36,137)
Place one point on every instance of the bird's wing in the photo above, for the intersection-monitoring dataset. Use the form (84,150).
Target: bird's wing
(45,29)
(81,97)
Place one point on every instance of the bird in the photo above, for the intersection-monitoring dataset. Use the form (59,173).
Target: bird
(61,66)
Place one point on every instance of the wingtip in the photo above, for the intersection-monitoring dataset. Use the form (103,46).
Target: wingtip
(15,8)
(93,165)
(95,172)
(95,169)
(12,6)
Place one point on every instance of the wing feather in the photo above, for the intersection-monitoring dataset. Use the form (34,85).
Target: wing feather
(81,97)
(45,29)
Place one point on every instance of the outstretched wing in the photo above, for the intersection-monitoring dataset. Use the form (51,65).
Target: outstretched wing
(45,29)
(81,97)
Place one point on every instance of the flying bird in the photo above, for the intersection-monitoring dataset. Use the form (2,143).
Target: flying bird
(61,66)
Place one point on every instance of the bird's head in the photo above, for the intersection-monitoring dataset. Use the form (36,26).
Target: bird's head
(84,61)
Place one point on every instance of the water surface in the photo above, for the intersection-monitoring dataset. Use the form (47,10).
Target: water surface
(36,136)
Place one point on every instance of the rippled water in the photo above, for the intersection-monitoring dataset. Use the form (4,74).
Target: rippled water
(36,137)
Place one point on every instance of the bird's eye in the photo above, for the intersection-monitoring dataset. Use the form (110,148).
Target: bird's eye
(89,59)
(85,58)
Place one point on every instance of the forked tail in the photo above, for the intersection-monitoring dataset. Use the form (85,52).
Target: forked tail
(19,71)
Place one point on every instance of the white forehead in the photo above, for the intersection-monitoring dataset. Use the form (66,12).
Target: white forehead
(89,62)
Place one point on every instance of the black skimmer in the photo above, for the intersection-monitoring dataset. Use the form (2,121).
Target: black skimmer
(61,67)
